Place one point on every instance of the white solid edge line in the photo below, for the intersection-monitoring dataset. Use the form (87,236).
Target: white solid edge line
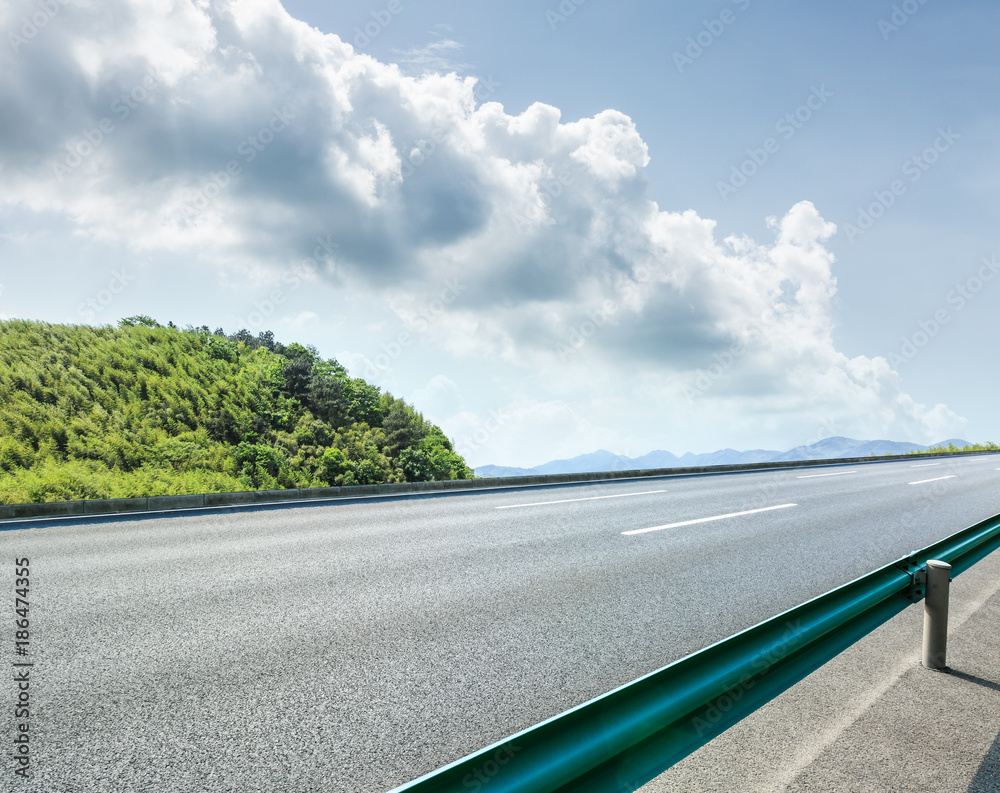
(935,479)
(924,465)
(813,476)
(706,520)
(589,498)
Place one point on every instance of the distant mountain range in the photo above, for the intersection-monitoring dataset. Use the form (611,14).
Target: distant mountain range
(603,460)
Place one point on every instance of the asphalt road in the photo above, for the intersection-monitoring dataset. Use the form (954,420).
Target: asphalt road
(353,647)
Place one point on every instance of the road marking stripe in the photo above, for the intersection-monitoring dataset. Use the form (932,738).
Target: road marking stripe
(935,479)
(813,476)
(590,498)
(924,465)
(706,520)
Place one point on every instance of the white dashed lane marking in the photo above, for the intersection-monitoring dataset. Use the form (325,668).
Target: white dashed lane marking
(935,479)
(589,498)
(706,520)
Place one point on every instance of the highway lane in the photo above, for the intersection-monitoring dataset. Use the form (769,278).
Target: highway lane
(352,647)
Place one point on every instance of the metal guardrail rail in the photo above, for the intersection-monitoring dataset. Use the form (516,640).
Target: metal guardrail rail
(621,740)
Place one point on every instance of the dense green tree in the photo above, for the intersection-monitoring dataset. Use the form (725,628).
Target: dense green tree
(138,319)
(143,409)
(365,403)
(402,428)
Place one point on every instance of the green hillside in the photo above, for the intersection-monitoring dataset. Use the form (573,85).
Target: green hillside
(143,410)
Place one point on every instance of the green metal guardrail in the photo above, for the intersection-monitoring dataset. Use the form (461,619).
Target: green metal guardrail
(621,740)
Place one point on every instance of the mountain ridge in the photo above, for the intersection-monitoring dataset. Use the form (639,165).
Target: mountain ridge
(832,448)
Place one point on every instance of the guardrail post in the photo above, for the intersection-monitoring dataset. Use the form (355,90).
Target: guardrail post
(936,614)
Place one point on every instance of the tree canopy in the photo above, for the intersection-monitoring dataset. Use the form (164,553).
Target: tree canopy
(142,409)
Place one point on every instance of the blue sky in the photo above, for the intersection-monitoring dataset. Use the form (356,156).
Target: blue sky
(633,226)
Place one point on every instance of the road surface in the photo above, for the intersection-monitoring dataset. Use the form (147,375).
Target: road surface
(355,646)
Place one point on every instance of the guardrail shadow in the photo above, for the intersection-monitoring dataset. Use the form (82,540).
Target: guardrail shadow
(981,681)
(987,778)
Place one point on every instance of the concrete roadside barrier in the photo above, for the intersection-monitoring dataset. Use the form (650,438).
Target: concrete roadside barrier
(166,504)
